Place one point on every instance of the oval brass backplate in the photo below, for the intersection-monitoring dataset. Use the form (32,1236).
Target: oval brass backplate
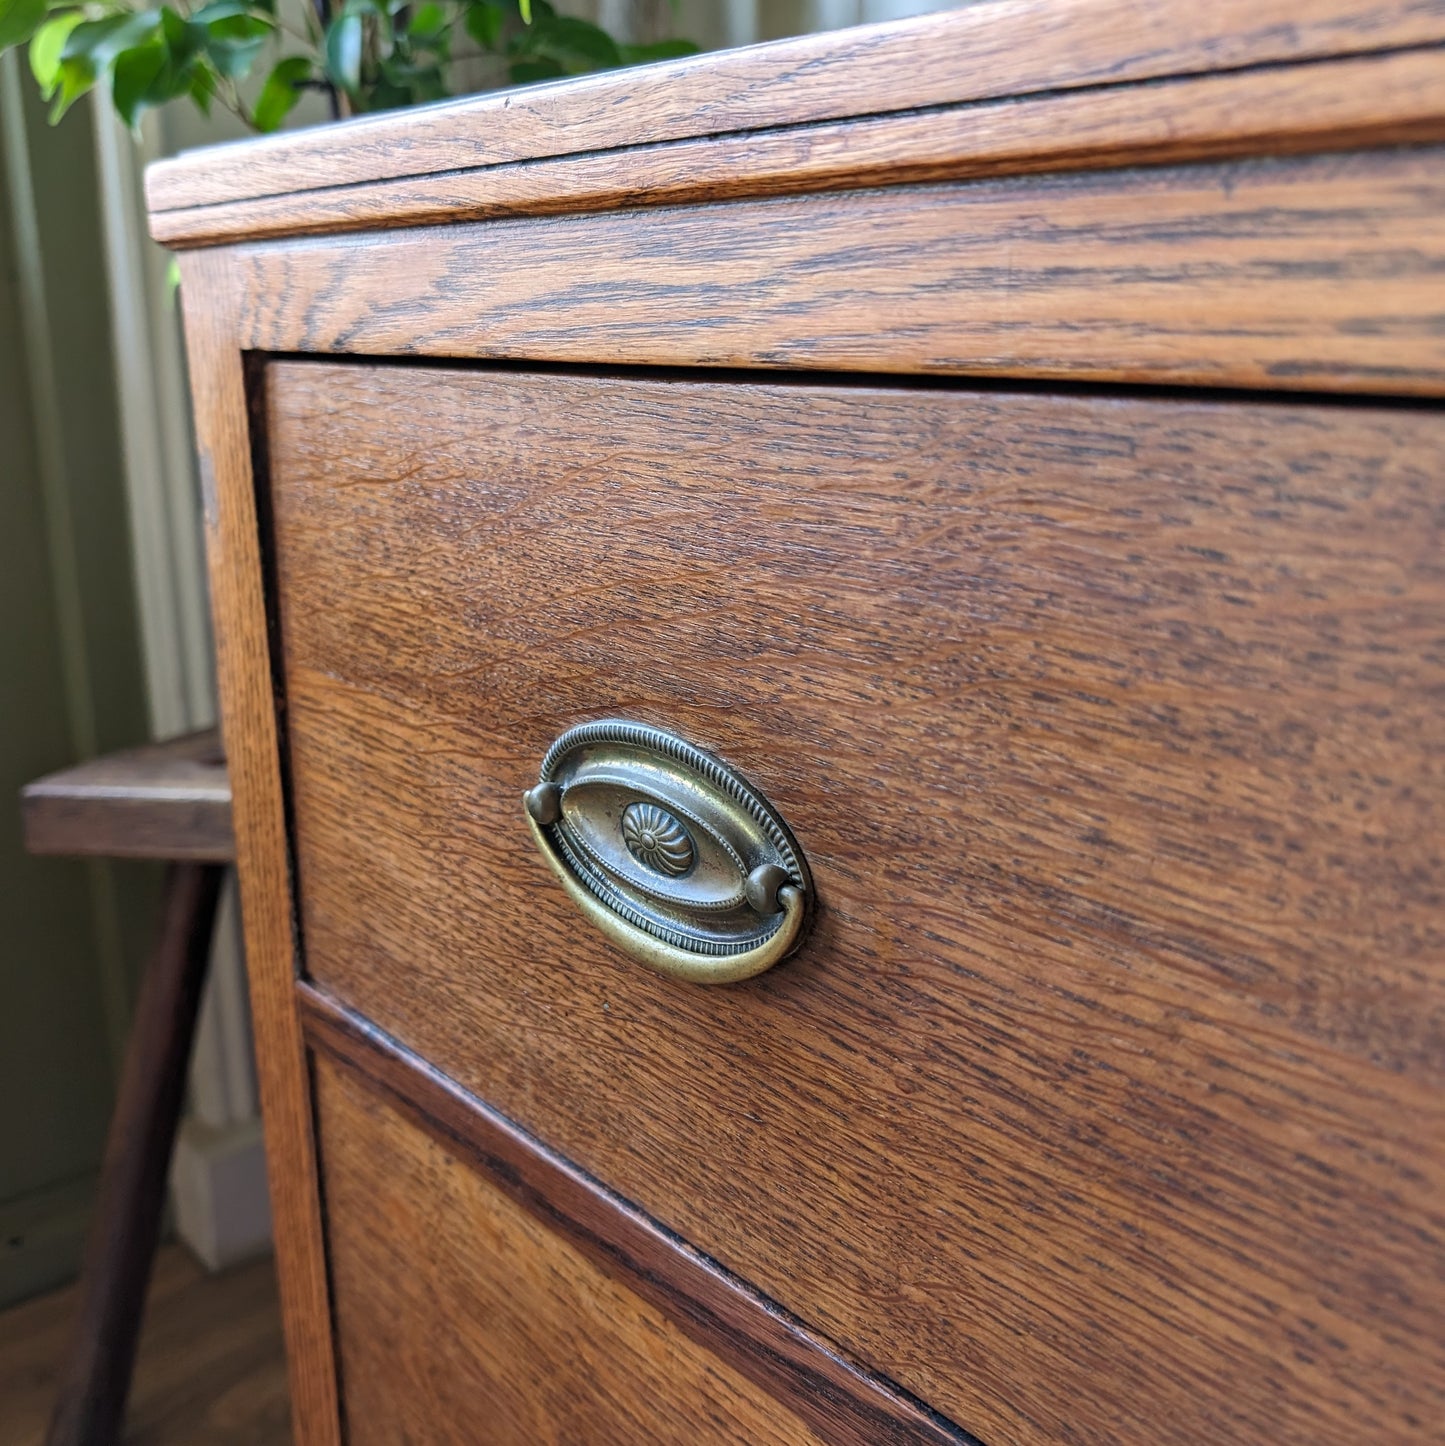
(672,854)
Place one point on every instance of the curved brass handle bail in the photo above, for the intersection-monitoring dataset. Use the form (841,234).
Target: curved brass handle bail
(668,958)
(674,857)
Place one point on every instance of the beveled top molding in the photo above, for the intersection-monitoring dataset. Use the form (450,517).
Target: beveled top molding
(771,105)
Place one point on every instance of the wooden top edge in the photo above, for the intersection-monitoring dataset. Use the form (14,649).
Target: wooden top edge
(990,50)
(1380,99)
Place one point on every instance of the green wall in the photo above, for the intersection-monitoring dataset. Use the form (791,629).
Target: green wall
(71,933)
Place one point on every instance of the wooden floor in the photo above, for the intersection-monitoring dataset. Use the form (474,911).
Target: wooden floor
(211,1367)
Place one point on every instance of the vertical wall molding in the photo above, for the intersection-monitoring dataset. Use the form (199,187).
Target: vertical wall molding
(156,438)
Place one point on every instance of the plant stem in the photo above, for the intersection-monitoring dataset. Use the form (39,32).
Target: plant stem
(338,104)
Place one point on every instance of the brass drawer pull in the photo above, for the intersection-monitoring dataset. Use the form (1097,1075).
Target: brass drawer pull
(676,858)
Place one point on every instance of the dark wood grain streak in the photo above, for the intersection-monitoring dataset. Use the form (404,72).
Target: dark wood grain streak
(248,718)
(1003,48)
(1318,272)
(1377,100)
(837,1401)
(1108,1090)
(169,800)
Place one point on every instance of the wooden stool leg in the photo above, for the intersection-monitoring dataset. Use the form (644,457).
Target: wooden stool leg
(123,1235)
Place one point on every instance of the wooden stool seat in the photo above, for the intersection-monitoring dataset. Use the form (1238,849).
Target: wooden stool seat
(168,801)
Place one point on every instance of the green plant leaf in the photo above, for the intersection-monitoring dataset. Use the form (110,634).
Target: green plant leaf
(524,72)
(281,92)
(343,52)
(75,78)
(580,41)
(406,81)
(234,41)
(161,67)
(222,10)
(427,83)
(100,41)
(241,28)
(484,24)
(380,52)
(389,94)
(45,48)
(427,20)
(658,50)
(203,88)
(574,45)
(183,37)
(19,20)
(137,73)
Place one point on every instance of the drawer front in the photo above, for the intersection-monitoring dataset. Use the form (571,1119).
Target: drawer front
(460,1318)
(1106,1090)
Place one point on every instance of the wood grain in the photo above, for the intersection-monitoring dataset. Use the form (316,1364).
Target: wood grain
(841,1404)
(1375,100)
(983,51)
(1108,1091)
(1317,272)
(248,720)
(469,1321)
(169,800)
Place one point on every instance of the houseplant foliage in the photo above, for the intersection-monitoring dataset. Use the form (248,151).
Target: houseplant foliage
(368,55)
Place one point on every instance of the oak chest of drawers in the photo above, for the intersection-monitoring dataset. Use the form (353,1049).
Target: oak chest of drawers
(992,463)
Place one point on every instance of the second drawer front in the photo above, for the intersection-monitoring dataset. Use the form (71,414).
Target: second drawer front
(460,1318)
(1106,1090)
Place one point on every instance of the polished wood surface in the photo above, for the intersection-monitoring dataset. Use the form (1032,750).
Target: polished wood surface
(249,722)
(1308,273)
(168,800)
(837,1400)
(1390,99)
(470,1321)
(91,1394)
(1108,1089)
(1107,1093)
(983,51)
(211,1367)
